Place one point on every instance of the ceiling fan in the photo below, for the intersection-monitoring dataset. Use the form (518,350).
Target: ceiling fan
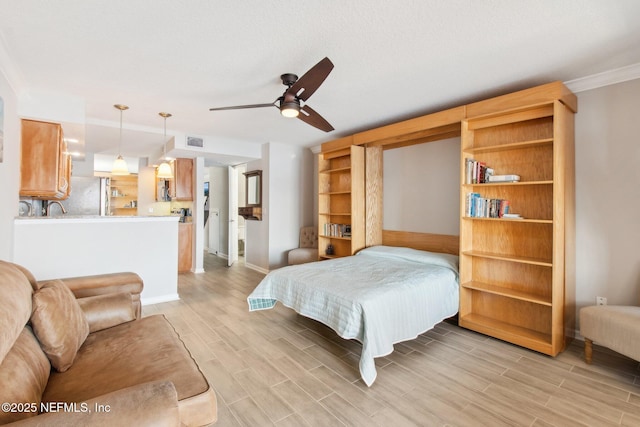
(292,103)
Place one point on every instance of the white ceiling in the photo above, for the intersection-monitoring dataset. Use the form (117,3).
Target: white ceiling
(393,59)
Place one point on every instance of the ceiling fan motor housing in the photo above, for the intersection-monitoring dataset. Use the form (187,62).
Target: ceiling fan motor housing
(289,79)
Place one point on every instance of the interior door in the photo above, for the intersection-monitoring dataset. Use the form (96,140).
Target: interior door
(233,216)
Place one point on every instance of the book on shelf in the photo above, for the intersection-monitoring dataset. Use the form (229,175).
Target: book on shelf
(512,216)
(504,178)
(477,206)
(336,230)
(477,172)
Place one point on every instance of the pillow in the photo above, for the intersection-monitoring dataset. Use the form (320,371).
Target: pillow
(424,257)
(59,323)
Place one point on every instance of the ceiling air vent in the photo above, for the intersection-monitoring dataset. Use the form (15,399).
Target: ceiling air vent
(193,141)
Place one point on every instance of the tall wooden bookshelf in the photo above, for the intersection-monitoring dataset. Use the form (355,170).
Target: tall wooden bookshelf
(341,201)
(516,274)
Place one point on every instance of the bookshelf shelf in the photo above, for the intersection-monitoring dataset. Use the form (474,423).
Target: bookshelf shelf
(521,220)
(508,184)
(337,170)
(508,292)
(334,193)
(519,335)
(512,146)
(510,258)
(514,271)
(336,237)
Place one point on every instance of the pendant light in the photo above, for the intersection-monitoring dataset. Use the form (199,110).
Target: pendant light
(164,170)
(120,166)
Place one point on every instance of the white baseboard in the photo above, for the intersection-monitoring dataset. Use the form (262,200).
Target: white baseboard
(256,268)
(160,299)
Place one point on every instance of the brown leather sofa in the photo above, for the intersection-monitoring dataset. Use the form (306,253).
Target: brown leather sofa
(76,352)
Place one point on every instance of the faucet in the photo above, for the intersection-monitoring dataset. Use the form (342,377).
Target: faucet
(56,202)
(29,207)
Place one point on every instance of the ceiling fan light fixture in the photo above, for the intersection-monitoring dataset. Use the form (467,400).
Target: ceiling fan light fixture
(290,109)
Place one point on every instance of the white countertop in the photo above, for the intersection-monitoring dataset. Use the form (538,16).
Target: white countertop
(93,218)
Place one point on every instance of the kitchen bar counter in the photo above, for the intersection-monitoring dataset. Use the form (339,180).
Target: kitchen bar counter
(66,246)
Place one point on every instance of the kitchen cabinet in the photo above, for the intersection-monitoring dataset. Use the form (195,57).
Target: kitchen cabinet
(178,188)
(185,243)
(183,178)
(45,165)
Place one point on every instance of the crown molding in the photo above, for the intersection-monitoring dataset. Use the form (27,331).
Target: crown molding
(606,78)
(316,149)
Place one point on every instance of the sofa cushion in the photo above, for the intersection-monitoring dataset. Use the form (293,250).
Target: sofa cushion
(140,351)
(59,323)
(24,373)
(15,309)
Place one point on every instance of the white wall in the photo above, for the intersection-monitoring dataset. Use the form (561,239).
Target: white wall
(9,169)
(608,195)
(288,204)
(421,187)
(289,188)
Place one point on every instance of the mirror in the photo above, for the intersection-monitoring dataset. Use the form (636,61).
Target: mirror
(254,188)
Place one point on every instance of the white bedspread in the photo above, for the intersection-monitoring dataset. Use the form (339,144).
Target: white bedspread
(381,296)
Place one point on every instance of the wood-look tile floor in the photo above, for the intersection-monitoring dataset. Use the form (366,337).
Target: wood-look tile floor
(275,367)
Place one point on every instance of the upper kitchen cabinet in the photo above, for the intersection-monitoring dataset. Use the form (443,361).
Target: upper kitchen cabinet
(178,188)
(45,168)
(183,176)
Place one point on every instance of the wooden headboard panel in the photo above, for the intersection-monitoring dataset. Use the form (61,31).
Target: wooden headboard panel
(423,241)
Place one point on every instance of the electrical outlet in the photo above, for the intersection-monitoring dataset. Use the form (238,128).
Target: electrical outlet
(601,301)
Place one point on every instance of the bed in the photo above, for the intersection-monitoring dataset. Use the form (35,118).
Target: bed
(380,296)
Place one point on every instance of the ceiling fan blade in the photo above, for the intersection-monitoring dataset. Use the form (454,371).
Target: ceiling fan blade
(309,116)
(311,80)
(241,107)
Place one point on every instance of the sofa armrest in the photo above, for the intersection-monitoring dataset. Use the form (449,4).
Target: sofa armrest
(148,404)
(105,311)
(111,283)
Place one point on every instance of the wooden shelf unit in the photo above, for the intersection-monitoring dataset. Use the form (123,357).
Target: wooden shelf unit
(123,190)
(341,200)
(513,272)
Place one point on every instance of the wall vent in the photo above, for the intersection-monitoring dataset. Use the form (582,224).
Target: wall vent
(193,141)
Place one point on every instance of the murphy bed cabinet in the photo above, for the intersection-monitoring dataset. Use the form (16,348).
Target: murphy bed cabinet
(512,271)
(45,164)
(341,202)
